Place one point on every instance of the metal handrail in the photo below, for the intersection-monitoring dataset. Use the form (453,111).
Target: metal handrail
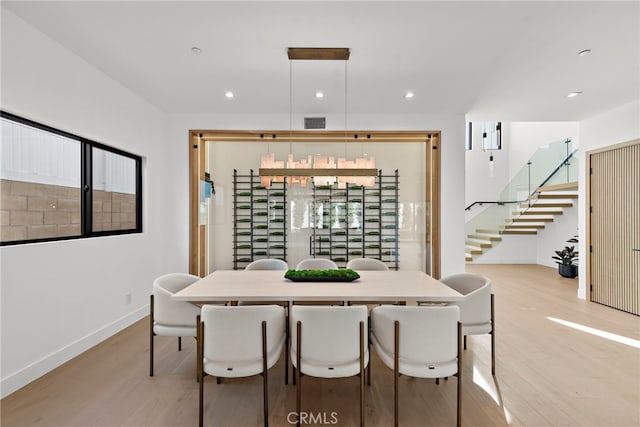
(497,202)
(564,162)
(547,179)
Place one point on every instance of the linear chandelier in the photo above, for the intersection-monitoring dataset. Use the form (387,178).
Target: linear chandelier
(323,170)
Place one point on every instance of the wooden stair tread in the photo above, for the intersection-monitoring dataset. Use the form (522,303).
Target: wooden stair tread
(556,195)
(520,231)
(530,218)
(473,250)
(538,211)
(493,237)
(559,187)
(548,204)
(487,231)
(523,225)
(479,243)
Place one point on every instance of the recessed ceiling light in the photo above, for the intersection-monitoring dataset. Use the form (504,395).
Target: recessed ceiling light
(319,94)
(409,95)
(228,94)
(574,94)
(196,50)
(584,52)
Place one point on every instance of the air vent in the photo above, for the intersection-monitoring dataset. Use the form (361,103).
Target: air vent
(315,122)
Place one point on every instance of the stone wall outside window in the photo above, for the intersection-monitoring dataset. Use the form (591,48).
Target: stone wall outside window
(39,211)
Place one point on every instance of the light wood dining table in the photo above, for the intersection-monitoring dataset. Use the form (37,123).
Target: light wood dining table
(269,285)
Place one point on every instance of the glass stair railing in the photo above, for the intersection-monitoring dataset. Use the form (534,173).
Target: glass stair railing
(552,164)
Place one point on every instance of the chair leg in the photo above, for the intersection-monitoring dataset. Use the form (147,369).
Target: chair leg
(199,355)
(201,402)
(465,342)
(362,374)
(286,346)
(151,334)
(265,383)
(437,380)
(179,343)
(493,339)
(396,372)
(459,374)
(369,344)
(297,378)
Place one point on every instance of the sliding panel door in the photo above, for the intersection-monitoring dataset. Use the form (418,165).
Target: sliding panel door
(615,227)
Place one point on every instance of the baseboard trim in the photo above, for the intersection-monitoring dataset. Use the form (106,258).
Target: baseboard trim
(26,375)
(503,261)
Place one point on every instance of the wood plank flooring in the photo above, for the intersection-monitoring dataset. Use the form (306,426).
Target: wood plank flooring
(548,374)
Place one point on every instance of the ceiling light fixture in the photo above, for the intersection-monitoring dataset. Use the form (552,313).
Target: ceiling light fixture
(196,50)
(574,94)
(584,52)
(228,94)
(319,94)
(361,171)
(409,95)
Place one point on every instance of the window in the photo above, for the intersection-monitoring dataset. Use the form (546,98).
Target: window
(43,172)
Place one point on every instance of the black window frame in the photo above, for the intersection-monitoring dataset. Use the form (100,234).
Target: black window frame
(86,184)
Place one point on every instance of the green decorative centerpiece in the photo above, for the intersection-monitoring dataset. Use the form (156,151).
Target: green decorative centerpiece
(339,275)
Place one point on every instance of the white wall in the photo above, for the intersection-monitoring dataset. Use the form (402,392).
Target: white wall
(452,194)
(613,127)
(524,139)
(61,298)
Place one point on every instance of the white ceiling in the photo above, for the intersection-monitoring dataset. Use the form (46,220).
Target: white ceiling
(511,61)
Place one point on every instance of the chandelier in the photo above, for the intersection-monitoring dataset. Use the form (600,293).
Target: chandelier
(323,170)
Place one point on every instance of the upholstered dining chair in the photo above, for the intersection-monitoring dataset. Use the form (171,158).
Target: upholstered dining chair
(268,264)
(477,312)
(239,341)
(272,264)
(422,342)
(329,342)
(168,317)
(316,264)
(367,264)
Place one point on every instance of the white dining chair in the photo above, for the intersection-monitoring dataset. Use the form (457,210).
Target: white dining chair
(367,264)
(316,264)
(237,341)
(422,342)
(329,342)
(268,264)
(477,312)
(370,264)
(168,317)
(277,265)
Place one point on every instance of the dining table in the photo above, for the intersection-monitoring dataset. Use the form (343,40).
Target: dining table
(271,285)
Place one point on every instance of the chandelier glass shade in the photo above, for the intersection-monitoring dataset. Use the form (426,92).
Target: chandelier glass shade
(323,170)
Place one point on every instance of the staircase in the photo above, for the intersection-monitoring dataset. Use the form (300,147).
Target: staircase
(526,218)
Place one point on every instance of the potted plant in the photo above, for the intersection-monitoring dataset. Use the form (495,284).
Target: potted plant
(567,260)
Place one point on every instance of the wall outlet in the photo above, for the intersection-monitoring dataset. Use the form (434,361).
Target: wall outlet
(127,298)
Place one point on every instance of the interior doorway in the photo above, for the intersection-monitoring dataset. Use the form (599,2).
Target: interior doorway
(614,226)
(205,146)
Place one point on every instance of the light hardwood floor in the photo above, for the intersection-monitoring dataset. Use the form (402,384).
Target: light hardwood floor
(548,374)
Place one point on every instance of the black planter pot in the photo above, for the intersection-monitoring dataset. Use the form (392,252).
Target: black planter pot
(569,271)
